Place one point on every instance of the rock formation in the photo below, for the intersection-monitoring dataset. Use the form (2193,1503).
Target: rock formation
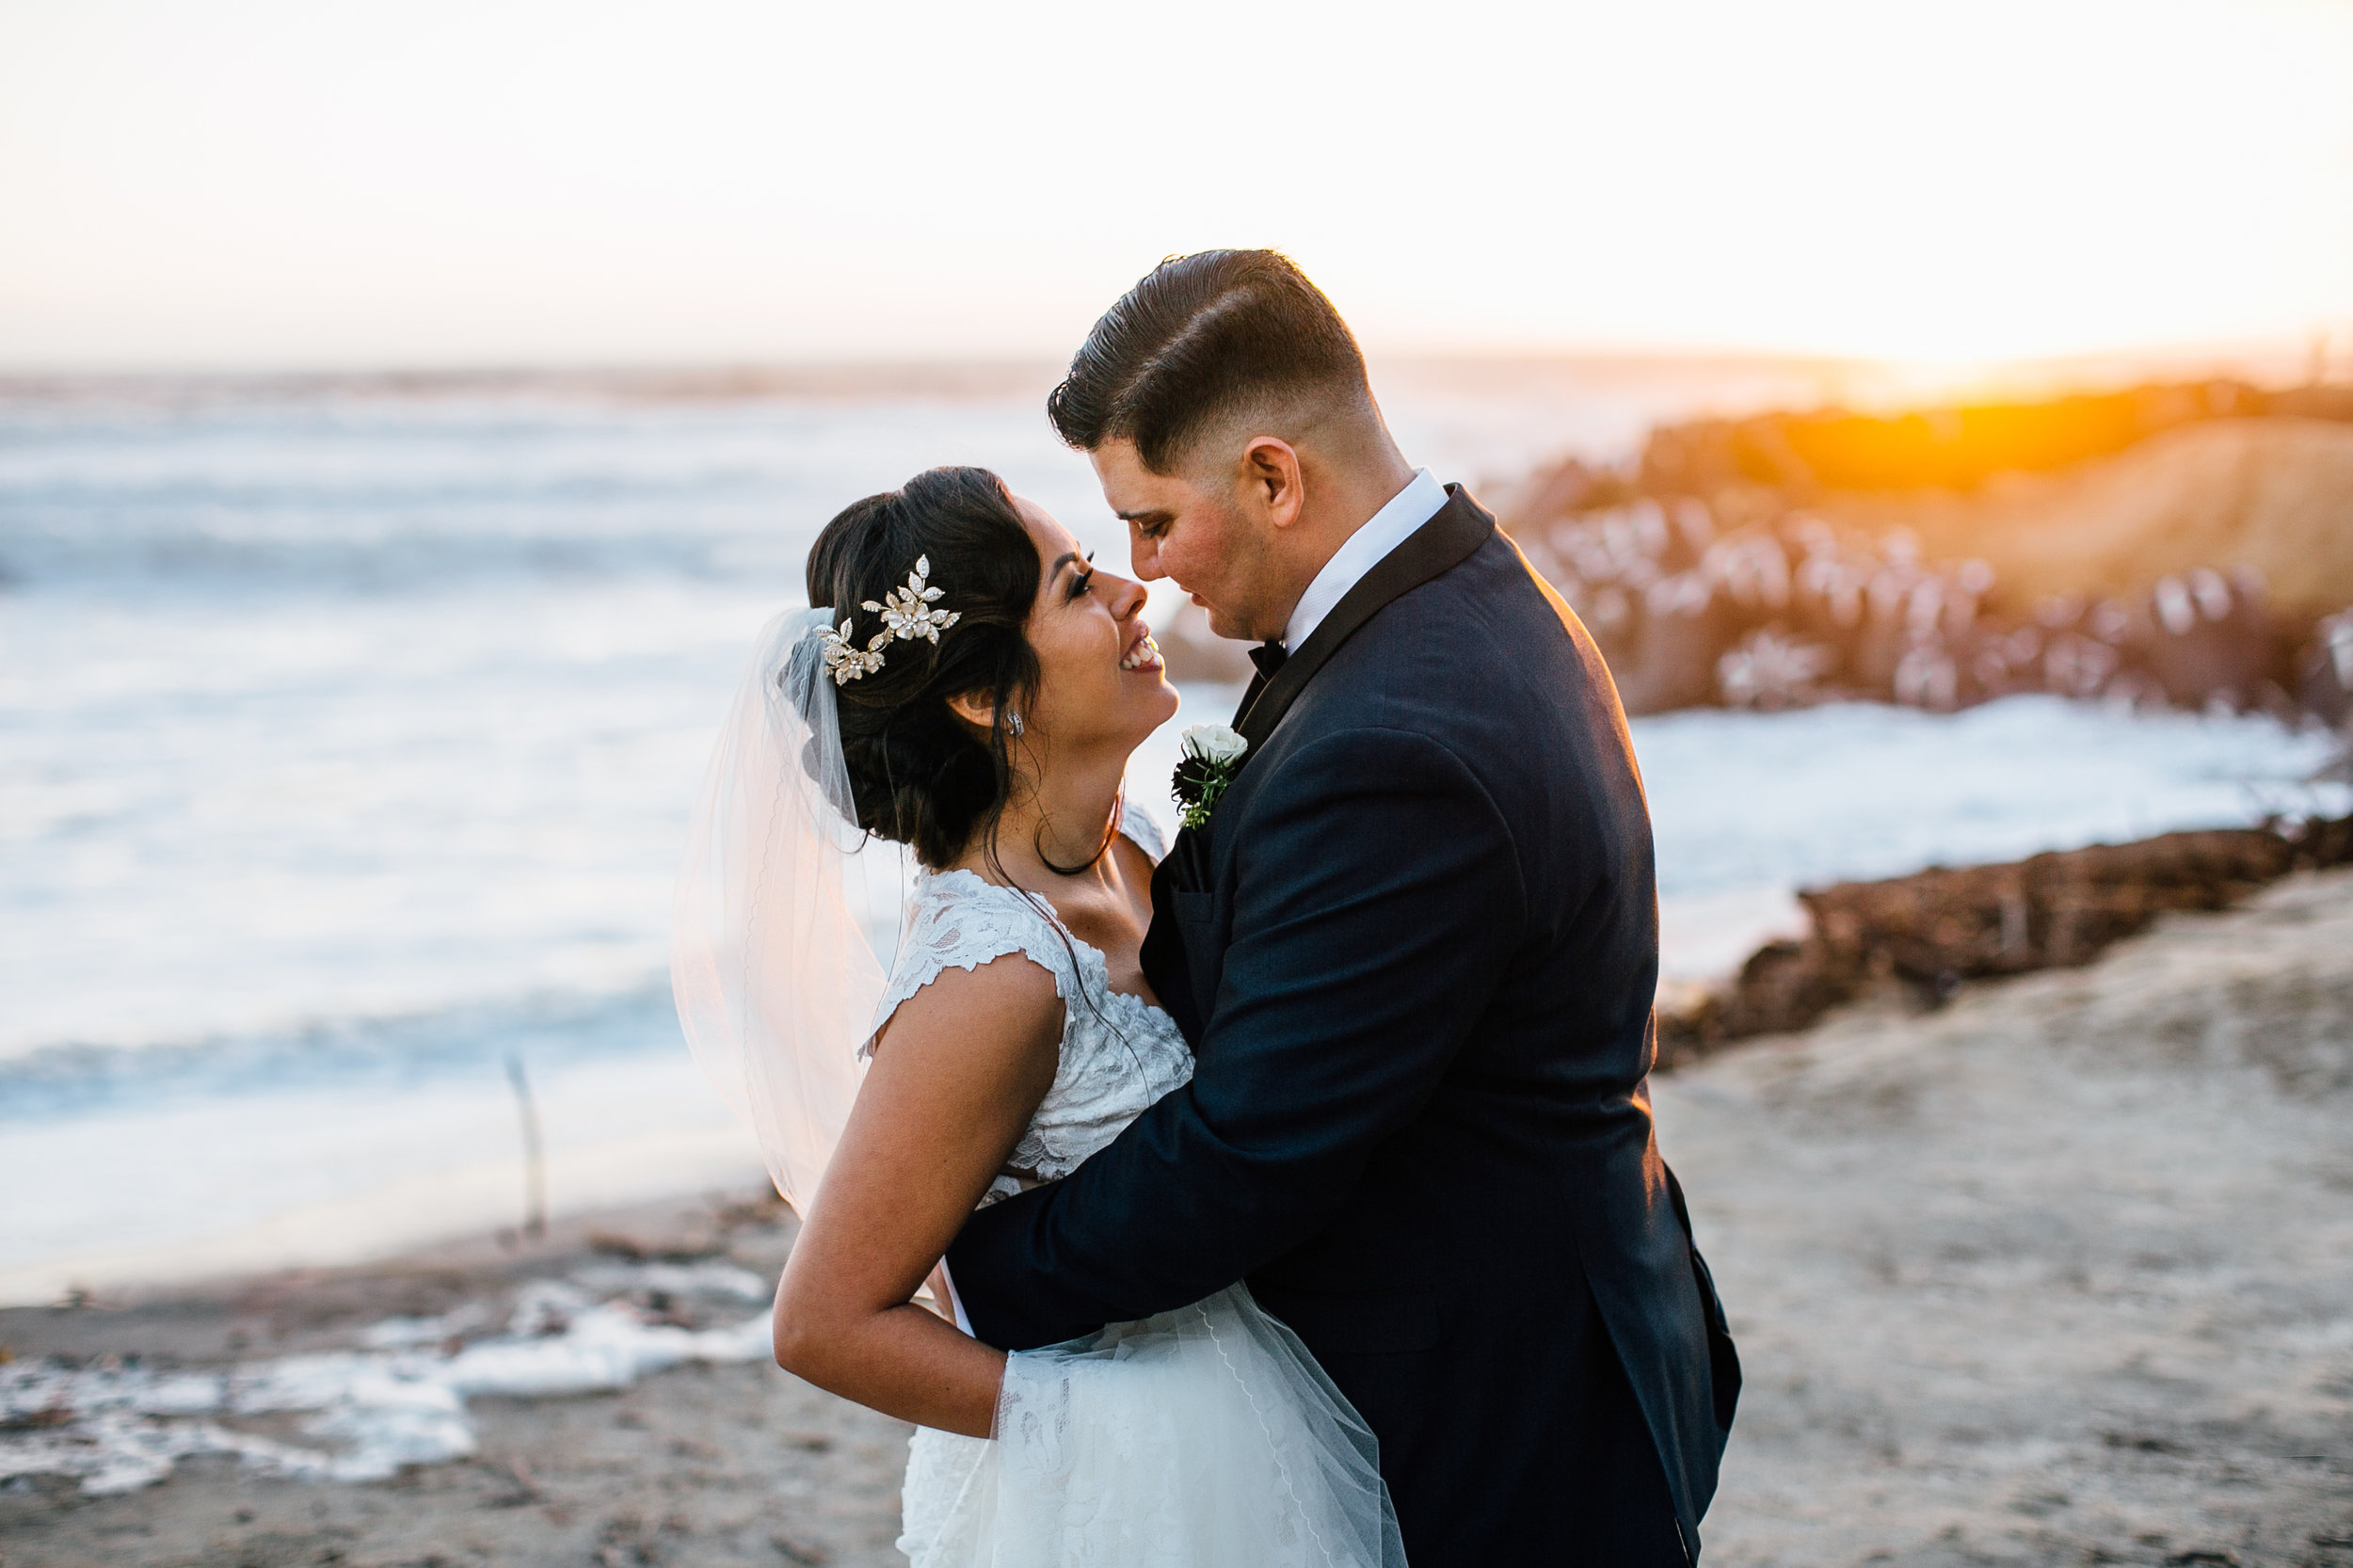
(2190,546)
(1933,930)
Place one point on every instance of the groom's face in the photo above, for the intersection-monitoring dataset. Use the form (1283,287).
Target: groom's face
(1198,531)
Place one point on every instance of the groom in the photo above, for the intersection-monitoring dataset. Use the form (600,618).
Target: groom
(1414,947)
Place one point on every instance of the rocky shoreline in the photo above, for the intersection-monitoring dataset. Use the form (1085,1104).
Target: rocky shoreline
(2187,546)
(1924,935)
(2184,545)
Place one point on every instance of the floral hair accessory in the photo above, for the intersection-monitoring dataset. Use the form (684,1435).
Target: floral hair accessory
(1212,755)
(908,613)
(846,659)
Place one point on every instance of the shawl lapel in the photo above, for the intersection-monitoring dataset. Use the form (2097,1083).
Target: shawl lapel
(1438,546)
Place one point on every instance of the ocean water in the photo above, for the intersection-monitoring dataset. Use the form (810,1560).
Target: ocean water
(346,740)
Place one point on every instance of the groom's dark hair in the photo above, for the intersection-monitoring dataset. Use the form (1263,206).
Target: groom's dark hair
(1201,337)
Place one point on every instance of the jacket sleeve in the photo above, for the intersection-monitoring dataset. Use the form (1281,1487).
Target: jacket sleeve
(1377,899)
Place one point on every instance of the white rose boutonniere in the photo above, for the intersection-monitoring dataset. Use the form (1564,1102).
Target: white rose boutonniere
(1212,755)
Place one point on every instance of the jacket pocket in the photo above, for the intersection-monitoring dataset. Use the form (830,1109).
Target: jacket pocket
(1204,956)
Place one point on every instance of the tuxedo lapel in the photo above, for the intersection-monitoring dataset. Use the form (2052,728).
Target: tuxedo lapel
(1165,963)
(1249,695)
(1460,527)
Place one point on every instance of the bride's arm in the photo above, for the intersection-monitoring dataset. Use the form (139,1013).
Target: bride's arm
(957,1073)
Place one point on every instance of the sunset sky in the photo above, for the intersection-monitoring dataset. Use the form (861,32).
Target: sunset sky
(290,183)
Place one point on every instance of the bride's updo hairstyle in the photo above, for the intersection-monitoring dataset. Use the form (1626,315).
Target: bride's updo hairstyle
(919,774)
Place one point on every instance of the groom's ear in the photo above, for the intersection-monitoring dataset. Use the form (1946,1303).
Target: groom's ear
(1270,480)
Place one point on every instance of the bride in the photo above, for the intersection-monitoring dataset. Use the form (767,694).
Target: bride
(970,685)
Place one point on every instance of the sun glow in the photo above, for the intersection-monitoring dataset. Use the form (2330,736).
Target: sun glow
(268,182)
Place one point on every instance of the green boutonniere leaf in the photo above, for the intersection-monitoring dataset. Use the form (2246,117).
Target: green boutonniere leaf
(1211,756)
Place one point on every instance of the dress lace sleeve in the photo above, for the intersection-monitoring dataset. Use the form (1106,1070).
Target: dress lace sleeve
(1142,829)
(961,922)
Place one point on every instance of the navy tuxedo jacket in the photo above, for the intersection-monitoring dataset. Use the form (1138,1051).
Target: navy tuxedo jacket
(1415,950)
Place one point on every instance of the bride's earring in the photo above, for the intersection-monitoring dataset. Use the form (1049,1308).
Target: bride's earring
(1013,722)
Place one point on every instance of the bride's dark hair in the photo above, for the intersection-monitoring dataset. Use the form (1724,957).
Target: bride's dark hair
(918,774)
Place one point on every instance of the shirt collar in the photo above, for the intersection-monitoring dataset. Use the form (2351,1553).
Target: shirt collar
(1388,528)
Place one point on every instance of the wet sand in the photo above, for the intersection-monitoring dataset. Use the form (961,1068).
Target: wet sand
(732,1461)
(2061,1274)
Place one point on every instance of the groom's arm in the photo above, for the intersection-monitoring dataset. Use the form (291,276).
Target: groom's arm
(1378,899)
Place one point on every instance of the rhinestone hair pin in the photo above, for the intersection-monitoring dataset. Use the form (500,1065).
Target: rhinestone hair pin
(908,614)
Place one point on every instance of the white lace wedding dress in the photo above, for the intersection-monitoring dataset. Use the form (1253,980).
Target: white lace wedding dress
(1205,1438)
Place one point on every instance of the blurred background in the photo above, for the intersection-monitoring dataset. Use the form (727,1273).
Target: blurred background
(407,413)
(1942,416)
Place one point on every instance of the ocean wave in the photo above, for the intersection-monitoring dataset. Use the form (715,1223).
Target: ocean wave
(364,1413)
(367,494)
(350,1053)
(272,538)
(183,558)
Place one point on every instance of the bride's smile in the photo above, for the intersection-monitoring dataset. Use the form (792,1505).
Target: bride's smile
(1101,686)
(1143,654)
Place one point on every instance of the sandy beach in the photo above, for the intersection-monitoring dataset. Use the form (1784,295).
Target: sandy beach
(2063,1274)
(2060,1273)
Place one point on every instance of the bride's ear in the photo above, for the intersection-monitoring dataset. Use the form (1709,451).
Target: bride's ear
(975,709)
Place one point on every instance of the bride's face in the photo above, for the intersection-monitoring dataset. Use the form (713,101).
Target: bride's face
(1100,676)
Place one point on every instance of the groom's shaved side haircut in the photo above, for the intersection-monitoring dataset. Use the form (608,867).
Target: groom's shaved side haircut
(1201,339)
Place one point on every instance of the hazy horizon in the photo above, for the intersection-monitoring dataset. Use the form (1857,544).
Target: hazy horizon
(1695,381)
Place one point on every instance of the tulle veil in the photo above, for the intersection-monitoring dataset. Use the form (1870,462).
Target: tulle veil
(775,973)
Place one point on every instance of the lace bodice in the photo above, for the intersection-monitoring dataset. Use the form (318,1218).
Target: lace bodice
(1119,1052)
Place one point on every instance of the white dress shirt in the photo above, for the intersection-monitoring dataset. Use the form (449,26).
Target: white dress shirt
(1388,528)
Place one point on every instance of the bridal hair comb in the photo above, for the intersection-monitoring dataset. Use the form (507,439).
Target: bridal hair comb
(908,613)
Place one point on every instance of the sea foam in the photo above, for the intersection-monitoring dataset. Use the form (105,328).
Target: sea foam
(399,1400)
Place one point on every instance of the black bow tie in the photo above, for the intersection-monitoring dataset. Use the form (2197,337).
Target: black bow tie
(1268,657)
